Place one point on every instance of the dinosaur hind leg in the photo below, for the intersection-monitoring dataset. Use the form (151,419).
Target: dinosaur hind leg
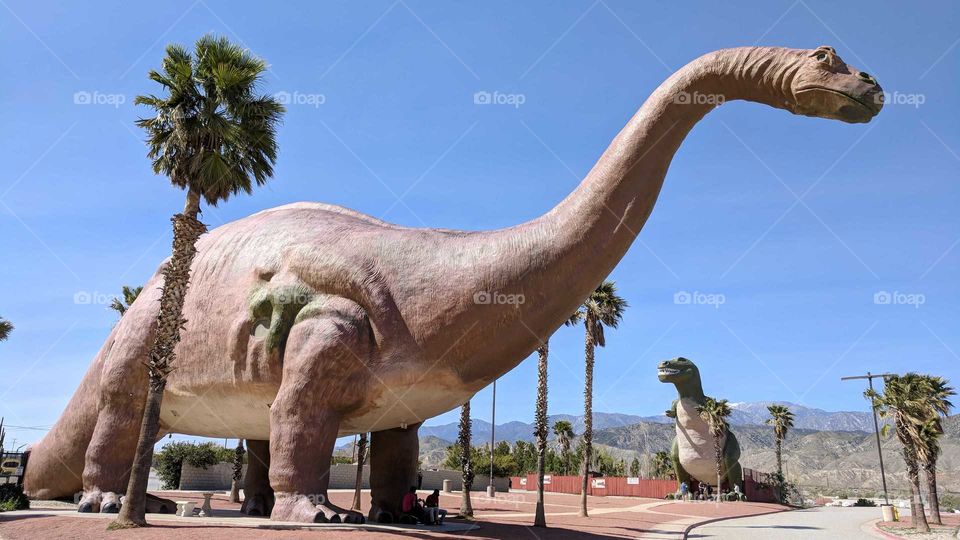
(393,470)
(324,376)
(257,493)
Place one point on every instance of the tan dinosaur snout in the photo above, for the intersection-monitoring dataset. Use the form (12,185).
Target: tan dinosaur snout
(826,87)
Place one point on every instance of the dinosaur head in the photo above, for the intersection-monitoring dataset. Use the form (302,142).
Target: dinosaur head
(825,86)
(678,371)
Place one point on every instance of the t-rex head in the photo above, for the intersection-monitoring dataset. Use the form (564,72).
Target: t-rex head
(677,371)
(824,86)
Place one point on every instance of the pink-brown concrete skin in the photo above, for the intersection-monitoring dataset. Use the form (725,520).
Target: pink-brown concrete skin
(309,321)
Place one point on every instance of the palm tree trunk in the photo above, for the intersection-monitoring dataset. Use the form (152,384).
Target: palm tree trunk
(931,473)
(237,472)
(587,414)
(718,455)
(176,279)
(466,508)
(540,430)
(779,456)
(361,455)
(918,518)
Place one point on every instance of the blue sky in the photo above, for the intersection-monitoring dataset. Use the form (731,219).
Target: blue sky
(796,223)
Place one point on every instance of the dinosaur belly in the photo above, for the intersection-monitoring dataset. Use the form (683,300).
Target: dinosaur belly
(695,443)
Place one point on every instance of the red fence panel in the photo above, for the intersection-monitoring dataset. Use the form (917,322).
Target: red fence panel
(611,485)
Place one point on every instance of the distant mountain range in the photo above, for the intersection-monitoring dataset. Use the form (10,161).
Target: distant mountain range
(754,413)
(832,450)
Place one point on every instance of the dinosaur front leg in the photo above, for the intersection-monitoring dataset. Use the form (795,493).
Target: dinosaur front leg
(678,470)
(257,493)
(122,398)
(393,470)
(323,376)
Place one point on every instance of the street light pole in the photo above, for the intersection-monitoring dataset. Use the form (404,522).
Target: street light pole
(491,491)
(876,425)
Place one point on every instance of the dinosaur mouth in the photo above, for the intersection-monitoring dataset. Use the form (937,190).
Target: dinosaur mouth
(872,109)
(665,372)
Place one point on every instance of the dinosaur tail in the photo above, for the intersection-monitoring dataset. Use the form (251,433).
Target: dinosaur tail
(54,466)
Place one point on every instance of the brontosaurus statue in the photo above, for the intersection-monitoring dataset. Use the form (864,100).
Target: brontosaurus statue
(693,452)
(309,321)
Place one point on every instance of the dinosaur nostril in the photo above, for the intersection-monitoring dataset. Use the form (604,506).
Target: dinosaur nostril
(865,76)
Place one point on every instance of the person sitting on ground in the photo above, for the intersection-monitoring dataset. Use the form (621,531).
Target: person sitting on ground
(435,514)
(410,505)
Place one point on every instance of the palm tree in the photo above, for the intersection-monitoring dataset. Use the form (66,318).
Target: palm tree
(602,308)
(5,328)
(662,465)
(540,430)
(563,430)
(215,137)
(466,466)
(903,398)
(358,483)
(237,469)
(781,418)
(715,412)
(129,295)
(928,450)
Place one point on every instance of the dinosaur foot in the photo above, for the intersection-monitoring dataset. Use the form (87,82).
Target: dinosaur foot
(258,504)
(104,502)
(159,505)
(302,509)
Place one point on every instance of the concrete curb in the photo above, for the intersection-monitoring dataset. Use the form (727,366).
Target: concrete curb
(883,534)
(693,526)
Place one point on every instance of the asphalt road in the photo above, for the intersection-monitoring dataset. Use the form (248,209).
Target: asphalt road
(813,523)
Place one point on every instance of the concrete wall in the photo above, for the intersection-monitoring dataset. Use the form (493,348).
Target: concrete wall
(217,478)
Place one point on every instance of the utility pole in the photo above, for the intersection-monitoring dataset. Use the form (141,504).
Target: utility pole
(492,491)
(876,425)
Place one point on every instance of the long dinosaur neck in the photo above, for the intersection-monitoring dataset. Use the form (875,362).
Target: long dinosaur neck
(691,388)
(555,261)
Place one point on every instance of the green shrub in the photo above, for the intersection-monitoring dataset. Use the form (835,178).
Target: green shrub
(12,498)
(864,502)
(670,497)
(169,460)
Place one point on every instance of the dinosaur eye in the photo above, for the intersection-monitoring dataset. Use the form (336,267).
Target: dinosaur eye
(822,57)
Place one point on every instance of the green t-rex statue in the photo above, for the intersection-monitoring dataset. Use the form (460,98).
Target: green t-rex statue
(693,451)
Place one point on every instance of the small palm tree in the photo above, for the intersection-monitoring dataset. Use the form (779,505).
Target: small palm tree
(563,430)
(928,449)
(715,413)
(781,418)
(466,465)
(540,430)
(213,136)
(5,328)
(602,308)
(129,295)
(237,469)
(361,457)
(903,399)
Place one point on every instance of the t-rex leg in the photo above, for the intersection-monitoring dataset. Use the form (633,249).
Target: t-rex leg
(323,376)
(731,462)
(682,474)
(257,493)
(393,470)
